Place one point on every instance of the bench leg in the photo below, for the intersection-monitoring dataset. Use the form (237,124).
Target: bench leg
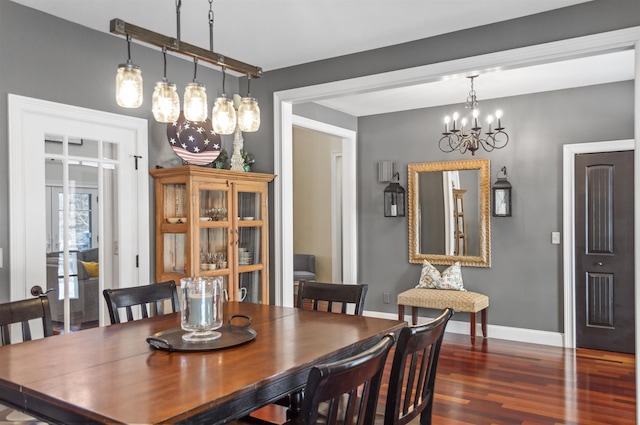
(472,323)
(400,312)
(484,322)
(414,315)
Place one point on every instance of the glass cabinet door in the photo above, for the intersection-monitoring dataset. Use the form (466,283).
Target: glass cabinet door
(251,240)
(214,243)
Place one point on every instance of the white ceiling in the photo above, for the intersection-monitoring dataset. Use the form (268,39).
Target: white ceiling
(275,34)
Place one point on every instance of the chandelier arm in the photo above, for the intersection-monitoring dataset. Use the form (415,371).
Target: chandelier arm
(120,27)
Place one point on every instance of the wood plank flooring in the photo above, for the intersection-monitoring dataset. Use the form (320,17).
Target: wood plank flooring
(499,382)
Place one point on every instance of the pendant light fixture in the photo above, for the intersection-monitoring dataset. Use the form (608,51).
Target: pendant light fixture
(223,115)
(129,79)
(249,111)
(165,102)
(129,82)
(470,139)
(195,98)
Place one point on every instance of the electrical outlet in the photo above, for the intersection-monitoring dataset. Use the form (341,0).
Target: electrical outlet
(1,258)
(555,238)
(386,298)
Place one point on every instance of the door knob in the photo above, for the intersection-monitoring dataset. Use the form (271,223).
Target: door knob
(37,291)
(599,263)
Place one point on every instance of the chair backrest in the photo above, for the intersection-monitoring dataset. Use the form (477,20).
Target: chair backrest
(142,296)
(413,372)
(346,391)
(323,295)
(23,311)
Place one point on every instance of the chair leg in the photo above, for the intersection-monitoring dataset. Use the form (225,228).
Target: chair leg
(472,323)
(484,322)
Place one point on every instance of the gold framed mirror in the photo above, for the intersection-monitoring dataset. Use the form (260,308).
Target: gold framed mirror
(449,212)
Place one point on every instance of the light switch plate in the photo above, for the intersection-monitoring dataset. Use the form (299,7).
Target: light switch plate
(555,238)
(1,258)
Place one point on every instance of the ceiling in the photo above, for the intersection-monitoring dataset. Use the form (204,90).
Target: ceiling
(275,34)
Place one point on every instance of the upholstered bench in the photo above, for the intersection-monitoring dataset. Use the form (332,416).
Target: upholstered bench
(469,302)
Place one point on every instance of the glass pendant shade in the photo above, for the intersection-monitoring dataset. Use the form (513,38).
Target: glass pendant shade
(166,103)
(223,116)
(195,102)
(129,86)
(249,115)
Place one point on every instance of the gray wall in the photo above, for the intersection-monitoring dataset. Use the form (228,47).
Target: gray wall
(47,58)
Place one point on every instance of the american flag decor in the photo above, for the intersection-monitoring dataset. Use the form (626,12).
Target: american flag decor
(194,142)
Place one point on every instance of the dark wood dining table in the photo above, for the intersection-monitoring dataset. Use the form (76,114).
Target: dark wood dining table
(112,375)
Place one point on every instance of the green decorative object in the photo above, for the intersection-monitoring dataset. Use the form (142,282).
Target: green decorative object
(248,159)
(220,161)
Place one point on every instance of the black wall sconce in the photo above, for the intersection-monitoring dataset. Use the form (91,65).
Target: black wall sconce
(394,198)
(501,195)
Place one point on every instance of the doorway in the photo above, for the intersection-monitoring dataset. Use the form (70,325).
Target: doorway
(317,201)
(94,164)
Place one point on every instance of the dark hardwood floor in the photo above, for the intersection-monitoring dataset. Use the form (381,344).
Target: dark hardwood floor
(497,382)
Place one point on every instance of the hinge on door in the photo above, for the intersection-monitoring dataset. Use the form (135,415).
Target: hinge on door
(137,261)
(136,158)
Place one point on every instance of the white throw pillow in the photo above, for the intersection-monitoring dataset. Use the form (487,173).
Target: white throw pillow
(431,278)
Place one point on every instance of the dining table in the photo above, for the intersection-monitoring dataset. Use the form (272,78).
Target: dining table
(112,374)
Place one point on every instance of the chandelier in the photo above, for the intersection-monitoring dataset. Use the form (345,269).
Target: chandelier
(470,138)
(165,101)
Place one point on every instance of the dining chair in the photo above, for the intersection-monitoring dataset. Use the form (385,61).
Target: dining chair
(143,297)
(322,296)
(413,373)
(345,391)
(21,312)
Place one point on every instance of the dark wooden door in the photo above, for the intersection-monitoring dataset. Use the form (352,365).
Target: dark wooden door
(604,251)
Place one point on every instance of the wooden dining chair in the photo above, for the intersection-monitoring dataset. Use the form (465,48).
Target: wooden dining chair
(21,312)
(322,296)
(345,391)
(413,373)
(141,296)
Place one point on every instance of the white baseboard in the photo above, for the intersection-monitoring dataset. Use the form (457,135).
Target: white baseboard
(532,336)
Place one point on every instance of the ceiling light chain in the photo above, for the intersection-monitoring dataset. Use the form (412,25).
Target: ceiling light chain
(456,138)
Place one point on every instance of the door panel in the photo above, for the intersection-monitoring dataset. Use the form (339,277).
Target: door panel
(604,251)
(81,143)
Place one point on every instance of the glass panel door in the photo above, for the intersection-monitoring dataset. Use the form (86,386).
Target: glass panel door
(250,245)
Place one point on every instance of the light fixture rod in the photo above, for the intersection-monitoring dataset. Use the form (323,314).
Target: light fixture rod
(120,27)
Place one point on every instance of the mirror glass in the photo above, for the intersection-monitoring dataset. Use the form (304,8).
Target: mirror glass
(449,212)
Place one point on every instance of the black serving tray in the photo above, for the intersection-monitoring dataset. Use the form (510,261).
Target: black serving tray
(232,335)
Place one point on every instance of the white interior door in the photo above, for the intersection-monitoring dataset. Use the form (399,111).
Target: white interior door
(71,148)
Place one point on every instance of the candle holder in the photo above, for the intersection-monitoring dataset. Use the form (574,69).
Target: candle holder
(201,308)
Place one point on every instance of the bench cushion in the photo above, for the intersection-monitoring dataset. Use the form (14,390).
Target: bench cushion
(470,302)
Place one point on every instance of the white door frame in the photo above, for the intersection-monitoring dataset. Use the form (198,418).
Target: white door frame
(569,153)
(337,241)
(22,112)
(283,206)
